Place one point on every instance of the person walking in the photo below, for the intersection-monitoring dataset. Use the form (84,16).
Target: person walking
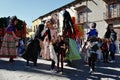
(61,53)
(93,47)
(34,48)
(93,54)
(8,48)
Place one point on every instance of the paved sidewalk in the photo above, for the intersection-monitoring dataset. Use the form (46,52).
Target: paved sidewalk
(79,71)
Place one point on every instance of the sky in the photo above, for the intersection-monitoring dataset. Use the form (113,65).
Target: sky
(29,10)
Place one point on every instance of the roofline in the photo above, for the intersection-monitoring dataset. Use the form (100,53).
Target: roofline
(58,9)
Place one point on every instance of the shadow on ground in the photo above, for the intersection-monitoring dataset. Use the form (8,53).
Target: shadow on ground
(78,71)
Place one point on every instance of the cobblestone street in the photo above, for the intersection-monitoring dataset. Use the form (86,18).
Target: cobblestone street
(79,71)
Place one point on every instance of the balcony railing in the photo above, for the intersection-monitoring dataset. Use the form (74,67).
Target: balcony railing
(111,16)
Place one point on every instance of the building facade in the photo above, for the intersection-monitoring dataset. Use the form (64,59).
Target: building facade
(102,12)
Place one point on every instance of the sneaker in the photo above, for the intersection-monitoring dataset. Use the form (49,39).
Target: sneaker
(58,71)
(90,72)
(91,69)
(112,61)
(61,73)
(53,71)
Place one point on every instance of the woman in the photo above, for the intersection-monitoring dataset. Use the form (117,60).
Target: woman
(35,45)
(32,51)
(8,48)
(110,33)
(45,51)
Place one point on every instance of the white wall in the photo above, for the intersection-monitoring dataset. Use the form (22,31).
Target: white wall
(97,8)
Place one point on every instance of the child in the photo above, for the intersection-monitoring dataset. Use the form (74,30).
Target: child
(93,54)
(61,53)
(93,32)
(105,50)
(20,49)
(99,51)
(112,49)
(85,52)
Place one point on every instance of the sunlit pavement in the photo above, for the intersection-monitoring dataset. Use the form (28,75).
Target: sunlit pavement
(78,71)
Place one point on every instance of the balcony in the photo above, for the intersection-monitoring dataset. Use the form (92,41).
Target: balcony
(81,21)
(111,18)
(111,1)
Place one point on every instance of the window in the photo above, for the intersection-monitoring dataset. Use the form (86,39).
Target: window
(34,28)
(114,10)
(81,13)
(81,17)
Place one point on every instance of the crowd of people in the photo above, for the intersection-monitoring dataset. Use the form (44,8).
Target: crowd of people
(58,48)
(100,49)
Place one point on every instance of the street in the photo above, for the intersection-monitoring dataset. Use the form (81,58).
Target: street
(79,71)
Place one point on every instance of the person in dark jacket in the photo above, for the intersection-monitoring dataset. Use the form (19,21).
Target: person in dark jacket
(61,53)
(110,33)
(32,51)
(34,47)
